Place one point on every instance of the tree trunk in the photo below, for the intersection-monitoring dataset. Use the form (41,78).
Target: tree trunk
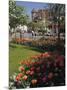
(58,39)
(15,36)
(20,37)
(58,32)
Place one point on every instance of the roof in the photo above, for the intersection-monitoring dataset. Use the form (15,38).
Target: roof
(34,10)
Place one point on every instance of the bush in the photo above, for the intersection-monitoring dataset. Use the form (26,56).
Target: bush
(49,44)
(21,41)
(46,69)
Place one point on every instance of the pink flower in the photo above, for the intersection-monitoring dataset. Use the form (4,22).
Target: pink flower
(50,53)
(60,58)
(32,73)
(20,75)
(61,64)
(21,68)
(18,78)
(43,67)
(34,81)
(32,68)
(44,79)
(50,75)
(46,55)
(28,72)
(25,77)
(38,69)
(34,57)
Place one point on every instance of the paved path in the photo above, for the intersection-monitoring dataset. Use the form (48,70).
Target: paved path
(29,35)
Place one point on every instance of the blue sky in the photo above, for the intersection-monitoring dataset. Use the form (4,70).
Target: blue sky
(30,5)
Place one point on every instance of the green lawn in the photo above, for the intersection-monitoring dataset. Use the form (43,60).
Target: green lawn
(18,53)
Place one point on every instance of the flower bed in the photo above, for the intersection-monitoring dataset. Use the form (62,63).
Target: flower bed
(22,40)
(46,69)
(48,44)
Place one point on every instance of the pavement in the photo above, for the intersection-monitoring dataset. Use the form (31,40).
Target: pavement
(29,35)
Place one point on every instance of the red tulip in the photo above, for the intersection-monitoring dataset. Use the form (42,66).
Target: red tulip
(50,53)
(38,69)
(34,57)
(50,75)
(28,72)
(25,77)
(60,58)
(61,64)
(41,55)
(34,81)
(44,79)
(43,67)
(20,75)
(46,54)
(21,68)
(32,73)
(18,78)
(32,68)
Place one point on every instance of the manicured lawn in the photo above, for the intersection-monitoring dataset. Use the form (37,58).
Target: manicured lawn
(17,53)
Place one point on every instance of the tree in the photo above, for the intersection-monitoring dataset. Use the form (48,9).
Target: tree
(37,26)
(57,11)
(58,18)
(17,16)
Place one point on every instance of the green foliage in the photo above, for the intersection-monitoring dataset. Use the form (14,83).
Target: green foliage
(16,15)
(37,26)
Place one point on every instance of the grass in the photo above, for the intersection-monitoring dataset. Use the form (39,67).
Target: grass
(17,53)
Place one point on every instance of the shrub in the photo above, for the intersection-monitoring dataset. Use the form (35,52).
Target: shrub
(49,44)
(46,69)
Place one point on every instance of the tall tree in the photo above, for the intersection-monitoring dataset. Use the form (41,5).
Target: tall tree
(57,11)
(17,16)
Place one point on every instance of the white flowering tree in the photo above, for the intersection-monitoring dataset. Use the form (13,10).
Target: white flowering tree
(17,15)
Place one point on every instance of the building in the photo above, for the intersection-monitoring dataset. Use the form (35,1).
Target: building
(47,19)
(40,15)
(43,16)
